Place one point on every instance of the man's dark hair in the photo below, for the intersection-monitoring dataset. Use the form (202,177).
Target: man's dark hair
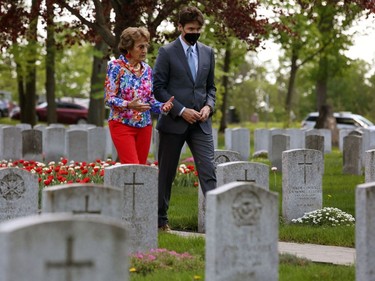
(190,14)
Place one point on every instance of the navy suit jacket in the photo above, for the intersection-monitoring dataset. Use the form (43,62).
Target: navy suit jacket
(172,77)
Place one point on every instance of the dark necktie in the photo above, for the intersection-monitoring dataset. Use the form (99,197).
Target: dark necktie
(191,62)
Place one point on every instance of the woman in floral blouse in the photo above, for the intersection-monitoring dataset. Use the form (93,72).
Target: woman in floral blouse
(128,93)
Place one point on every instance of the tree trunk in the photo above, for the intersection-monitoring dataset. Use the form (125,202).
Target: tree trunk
(99,67)
(227,58)
(28,113)
(321,82)
(21,88)
(292,79)
(50,65)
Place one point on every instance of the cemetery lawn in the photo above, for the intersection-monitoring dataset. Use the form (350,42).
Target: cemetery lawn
(338,192)
(291,268)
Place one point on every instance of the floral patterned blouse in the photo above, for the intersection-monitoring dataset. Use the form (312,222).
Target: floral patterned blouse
(122,85)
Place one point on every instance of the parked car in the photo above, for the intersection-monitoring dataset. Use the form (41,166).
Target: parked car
(4,108)
(67,113)
(344,120)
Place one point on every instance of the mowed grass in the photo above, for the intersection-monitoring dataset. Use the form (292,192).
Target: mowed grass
(338,191)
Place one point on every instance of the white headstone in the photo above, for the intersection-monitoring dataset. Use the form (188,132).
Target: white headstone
(273,132)
(220,156)
(76,142)
(24,126)
(83,199)
(327,134)
(18,193)
(352,155)
(368,140)
(370,165)
(54,143)
(315,142)
(364,232)
(140,201)
(10,143)
(242,233)
(302,182)
(228,138)
(343,133)
(280,143)
(56,247)
(241,142)
(96,144)
(32,145)
(243,171)
(261,139)
(297,138)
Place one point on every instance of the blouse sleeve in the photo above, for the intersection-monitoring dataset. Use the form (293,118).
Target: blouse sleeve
(112,84)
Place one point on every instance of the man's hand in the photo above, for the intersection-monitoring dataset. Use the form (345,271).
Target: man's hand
(191,115)
(205,113)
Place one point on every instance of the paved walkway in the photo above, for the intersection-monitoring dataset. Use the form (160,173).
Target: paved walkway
(313,252)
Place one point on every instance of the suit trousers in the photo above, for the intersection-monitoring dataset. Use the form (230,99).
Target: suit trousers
(201,146)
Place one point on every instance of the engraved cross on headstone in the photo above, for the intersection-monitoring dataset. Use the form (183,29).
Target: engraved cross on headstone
(86,210)
(133,184)
(246,179)
(69,264)
(304,167)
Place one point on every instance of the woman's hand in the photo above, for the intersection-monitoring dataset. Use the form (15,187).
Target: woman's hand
(167,106)
(138,106)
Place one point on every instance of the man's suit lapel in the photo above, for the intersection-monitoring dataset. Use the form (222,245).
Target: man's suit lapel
(182,57)
(200,61)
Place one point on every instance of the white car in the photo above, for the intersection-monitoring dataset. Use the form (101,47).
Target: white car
(345,120)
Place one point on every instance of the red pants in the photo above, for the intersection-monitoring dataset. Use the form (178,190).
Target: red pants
(132,144)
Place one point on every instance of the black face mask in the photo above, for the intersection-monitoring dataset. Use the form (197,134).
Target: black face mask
(192,38)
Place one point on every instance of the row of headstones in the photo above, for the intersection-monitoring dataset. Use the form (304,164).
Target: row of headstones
(238,139)
(301,183)
(353,149)
(273,142)
(89,143)
(82,143)
(241,236)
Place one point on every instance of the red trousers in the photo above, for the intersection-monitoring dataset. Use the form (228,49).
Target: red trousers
(132,144)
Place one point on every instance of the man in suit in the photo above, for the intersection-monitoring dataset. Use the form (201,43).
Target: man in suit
(185,69)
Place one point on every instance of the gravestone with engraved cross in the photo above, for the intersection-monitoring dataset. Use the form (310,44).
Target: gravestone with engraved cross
(243,171)
(242,233)
(18,193)
(302,182)
(83,199)
(139,202)
(64,247)
(220,156)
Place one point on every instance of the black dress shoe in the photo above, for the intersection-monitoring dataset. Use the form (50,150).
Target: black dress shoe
(164,228)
